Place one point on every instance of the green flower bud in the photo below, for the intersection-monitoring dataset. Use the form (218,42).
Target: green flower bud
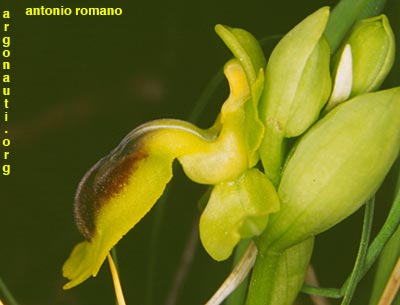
(297,80)
(236,210)
(336,166)
(297,85)
(373,48)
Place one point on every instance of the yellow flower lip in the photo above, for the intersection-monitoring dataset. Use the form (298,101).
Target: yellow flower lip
(237,209)
(120,189)
(103,181)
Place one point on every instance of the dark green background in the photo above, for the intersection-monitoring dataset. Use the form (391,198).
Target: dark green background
(79,84)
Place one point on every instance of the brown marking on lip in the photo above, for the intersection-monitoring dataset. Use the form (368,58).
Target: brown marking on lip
(96,190)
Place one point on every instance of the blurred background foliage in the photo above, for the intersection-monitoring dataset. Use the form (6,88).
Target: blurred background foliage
(79,84)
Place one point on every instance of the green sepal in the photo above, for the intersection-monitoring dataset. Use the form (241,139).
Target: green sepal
(237,209)
(245,48)
(309,98)
(253,127)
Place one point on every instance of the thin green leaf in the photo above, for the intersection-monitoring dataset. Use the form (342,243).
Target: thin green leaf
(384,234)
(388,258)
(356,274)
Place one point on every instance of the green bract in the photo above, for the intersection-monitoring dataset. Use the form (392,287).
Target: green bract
(336,166)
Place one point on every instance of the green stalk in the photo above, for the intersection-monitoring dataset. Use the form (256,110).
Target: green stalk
(273,155)
(356,274)
(278,277)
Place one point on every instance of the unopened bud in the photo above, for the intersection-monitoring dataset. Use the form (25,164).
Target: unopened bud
(372,46)
(337,166)
(297,81)
(297,86)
